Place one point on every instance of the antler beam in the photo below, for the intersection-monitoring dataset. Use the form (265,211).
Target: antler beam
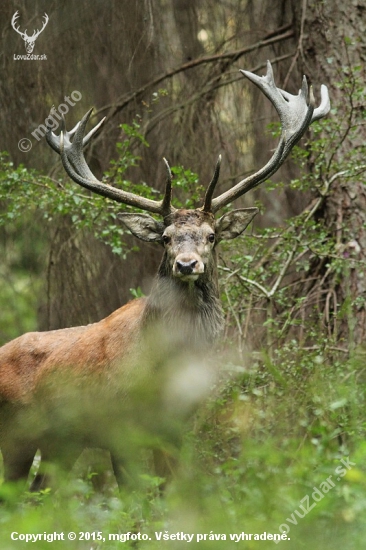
(75,165)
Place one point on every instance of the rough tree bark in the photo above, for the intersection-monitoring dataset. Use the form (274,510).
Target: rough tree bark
(334,38)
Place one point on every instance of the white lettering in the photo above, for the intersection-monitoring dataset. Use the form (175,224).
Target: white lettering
(76,96)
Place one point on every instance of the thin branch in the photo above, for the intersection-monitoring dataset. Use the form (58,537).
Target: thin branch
(245,280)
(283,272)
(202,92)
(237,321)
(232,56)
(299,44)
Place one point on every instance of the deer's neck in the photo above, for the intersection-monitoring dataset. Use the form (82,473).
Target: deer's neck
(190,312)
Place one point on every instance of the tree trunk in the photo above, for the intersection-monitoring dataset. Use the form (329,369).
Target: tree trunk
(329,47)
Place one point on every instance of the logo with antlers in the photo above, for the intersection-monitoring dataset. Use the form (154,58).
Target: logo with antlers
(29,40)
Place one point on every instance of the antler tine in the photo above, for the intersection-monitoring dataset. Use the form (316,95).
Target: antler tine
(211,187)
(167,200)
(296,113)
(75,150)
(54,141)
(75,165)
(324,106)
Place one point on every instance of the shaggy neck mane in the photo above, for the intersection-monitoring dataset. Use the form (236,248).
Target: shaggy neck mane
(191,310)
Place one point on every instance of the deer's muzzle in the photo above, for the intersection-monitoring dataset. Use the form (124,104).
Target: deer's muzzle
(188,266)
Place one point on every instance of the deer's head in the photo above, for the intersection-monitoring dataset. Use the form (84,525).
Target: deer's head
(190,236)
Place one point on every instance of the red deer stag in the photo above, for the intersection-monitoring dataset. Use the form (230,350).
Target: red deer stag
(118,374)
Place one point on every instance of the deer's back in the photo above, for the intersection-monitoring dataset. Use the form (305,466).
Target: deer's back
(84,351)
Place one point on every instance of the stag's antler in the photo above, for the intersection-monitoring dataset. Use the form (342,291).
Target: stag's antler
(296,113)
(75,165)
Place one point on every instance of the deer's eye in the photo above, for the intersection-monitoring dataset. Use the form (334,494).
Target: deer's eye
(166,239)
(211,237)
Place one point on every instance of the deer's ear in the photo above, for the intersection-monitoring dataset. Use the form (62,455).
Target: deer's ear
(233,223)
(143,226)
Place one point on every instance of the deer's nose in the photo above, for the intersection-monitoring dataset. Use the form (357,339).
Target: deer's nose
(186,268)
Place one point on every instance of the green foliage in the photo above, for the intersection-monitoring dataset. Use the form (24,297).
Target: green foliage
(186,186)
(25,190)
(21,269)
(136,292)
(241,471)
(30,203)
